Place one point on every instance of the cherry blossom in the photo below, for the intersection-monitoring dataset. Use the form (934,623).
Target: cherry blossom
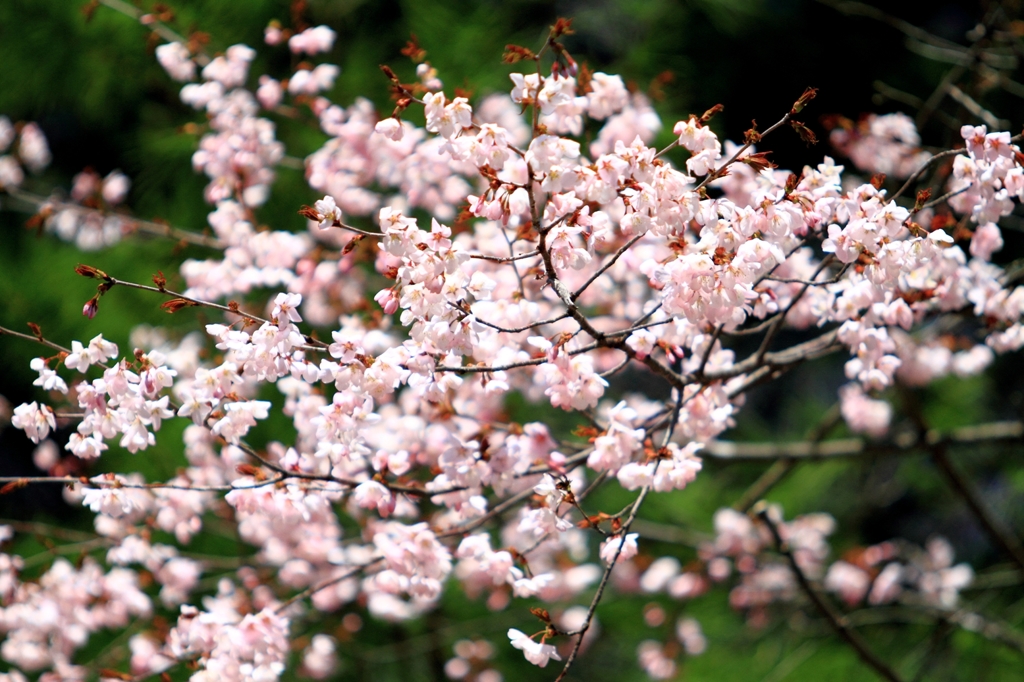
(313,40)
(177,61)
(537,653)
(35,420)
(346,407)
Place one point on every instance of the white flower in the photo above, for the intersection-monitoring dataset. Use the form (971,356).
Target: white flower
(34,420)
(537,653)
(48,379)
(285,307)
(114,501)
(327,211)
(390,128)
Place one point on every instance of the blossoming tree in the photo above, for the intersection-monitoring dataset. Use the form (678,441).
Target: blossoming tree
(527,247)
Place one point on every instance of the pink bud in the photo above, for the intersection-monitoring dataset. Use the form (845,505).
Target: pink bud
(91,307)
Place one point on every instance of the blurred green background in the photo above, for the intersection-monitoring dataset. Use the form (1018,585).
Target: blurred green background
(97,92)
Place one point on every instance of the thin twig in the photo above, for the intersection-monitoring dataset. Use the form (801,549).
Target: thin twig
(194,301)
(504,259)
(623,531)
(782,467)
(608,264)
(781,317)
(604,582)
(997,529)
(158,27)
(992,432)
(130,224)
(968,620)
(925,166)
(718,172)
(4,331)
(313,589)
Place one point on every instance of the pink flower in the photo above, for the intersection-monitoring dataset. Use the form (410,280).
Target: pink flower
(114,501)
(320,659)
(177,61)
(987,240)
(887,586)
(272,34)
(847,580)
(653,660)
(611,553)
(239,417)
(33,148)
(286,307)
(608,95)
(48,379)
(371,494)
(115,187)
(864,414)
(270,92)
(312,40)
(691,636)
(390,128)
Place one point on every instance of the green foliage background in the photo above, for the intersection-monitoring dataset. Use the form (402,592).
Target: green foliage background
(95,88)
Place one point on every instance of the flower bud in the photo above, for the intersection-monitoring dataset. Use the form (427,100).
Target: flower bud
(91,307)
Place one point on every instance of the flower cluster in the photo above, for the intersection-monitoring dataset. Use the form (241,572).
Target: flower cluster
(550,273)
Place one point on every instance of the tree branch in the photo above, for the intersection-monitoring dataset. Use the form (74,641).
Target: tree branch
(837,621)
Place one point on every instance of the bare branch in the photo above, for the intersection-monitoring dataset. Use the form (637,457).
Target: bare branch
(993,432)
(837,621)
(130,223)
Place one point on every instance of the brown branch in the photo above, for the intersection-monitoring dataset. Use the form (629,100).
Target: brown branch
(971,105)
(925,166)
(160,28)
(992,432)
(623,531)
(505,259)
(47,530)
(670,533)
(193,301)
(782,467)
(135,224)
(817,347)
(313,589)
(838,622)
(781,317)
(102,484)
(604,582)
(718,172)
(998,530)
(515,267)
(517,330)
(497,510)
(347,482)
(4,331)
(888,92)
(971,621)
(606,266)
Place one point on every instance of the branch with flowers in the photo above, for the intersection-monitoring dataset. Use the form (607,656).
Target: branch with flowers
(565,259)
